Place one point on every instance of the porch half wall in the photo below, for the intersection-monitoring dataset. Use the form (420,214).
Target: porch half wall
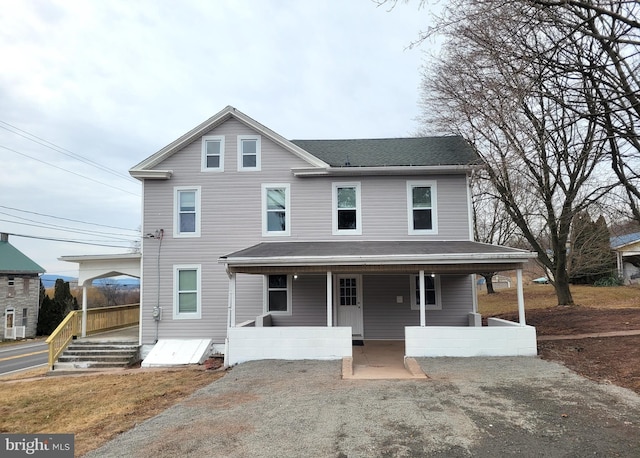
(497,339)
(289,343)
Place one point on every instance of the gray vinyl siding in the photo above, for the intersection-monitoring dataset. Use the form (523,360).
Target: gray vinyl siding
(309,302)
(385,318)
(231,219)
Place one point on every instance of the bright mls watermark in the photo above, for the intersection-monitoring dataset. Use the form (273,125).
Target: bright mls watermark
(36,445)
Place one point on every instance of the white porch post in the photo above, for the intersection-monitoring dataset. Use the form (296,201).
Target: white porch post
(84,310)
(329,299)
(520,298)
(232,300)
(423,316)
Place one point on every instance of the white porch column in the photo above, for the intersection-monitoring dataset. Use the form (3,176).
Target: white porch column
(520,298)
(619,264)
(329,299)
(423,316)
(84,310)
(232,300)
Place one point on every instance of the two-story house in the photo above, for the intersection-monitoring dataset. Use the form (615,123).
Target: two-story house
(19,291)
(276,248)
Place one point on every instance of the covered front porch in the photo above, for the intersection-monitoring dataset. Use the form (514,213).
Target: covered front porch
(345,292)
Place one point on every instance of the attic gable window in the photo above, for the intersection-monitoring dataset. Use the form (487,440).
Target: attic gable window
(249,153)
(213,153)
(421,207)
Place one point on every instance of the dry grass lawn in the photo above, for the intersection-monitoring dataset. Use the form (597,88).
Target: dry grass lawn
(94,407)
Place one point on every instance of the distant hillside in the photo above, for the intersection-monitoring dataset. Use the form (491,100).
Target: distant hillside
(49,281)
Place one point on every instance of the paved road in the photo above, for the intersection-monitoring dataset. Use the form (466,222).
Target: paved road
(22,356)
(469,407)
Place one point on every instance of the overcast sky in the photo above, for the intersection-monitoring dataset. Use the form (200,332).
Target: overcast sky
(90,88)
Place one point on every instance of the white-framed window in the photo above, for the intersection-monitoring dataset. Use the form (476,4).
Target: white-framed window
(187,211)
(347,213)
(276,209)
(187,291)
(249,153)
(213,153)
(25,317)
(421,207)
(431,292)
(277,294)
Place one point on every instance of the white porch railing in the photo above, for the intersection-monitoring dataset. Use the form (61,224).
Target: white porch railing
(287,342)
(500,338)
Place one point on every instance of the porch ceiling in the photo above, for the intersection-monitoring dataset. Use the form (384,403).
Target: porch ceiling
(375,256)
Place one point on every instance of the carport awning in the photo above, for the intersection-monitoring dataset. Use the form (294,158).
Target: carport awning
(375,256)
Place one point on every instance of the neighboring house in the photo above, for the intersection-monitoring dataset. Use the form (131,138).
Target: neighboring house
(19,291)
(627,249)
(274,248)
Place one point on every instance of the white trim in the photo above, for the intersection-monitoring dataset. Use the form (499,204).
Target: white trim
(208,138)
(470,208)
(413,286)
(241,167)
(265,300)
(177,315)
(176,212)
(287,197)
(382,170)
(334,208)
(434,207)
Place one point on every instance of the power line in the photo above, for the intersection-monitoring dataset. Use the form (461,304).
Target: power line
(55,227)
(68,219)
(47,144)
(65,240)
(69,171)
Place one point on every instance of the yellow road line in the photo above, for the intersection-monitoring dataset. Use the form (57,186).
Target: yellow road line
(22,356)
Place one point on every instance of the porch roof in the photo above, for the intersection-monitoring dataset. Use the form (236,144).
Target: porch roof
(375,256)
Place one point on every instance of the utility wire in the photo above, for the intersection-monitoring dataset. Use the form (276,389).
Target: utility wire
(46,143)
(65,240)
(68,219)
(69,171)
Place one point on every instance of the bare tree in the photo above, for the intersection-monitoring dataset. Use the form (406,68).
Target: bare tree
(533,124)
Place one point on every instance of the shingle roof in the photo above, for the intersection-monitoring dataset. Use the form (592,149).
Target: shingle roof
(622,240)
(418,151)
(13,261)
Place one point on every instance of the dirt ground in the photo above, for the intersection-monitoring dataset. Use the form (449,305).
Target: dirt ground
(613,360)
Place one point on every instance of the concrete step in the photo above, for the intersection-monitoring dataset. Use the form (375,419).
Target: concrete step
(95,355)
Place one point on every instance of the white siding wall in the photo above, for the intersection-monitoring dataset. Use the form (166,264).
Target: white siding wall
(231,221)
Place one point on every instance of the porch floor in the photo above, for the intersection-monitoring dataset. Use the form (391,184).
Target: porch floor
(129,334)
(381,359)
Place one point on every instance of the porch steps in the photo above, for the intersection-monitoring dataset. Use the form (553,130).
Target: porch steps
(95,355)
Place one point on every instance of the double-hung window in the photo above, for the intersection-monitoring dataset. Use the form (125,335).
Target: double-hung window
(347,214)
(186,302)
(276,213)
(249,153)
(187,211)
(213,153)
(278,294)
(431,292)
(421,207)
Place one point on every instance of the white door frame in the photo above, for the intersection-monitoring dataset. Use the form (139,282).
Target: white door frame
(9,332)
(357,327)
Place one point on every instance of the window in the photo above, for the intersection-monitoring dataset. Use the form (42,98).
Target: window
(25,317)
(187,212)
(276,218)
(186,280)
(421,205)
(431,292)
(346,205)
(249,152)
(278,294)
(11,281)
(213,153)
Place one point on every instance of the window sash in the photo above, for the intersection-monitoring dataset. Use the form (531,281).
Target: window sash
(421,206)
(278,294)
(187,291)
(249,152)
(347,209)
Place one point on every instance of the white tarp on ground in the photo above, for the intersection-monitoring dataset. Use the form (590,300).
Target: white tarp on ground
(176,352)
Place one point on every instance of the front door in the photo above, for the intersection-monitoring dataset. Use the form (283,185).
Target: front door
(349,303)
(8,324)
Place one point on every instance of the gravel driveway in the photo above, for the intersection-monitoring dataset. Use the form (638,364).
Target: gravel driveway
(481,407)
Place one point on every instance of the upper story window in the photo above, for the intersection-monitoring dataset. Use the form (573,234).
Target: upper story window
(249,152)
(186,286)
(347,214)
(276,213)
(187,212)
(213,153)
(421,207)
(431,292)
(278,294)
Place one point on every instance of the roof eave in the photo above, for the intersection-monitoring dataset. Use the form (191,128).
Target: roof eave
(151,174)
(384,170)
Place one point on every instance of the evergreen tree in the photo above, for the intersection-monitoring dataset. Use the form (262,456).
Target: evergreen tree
(53,311)
(590,253)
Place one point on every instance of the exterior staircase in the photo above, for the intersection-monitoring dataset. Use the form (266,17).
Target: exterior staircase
(94,355)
